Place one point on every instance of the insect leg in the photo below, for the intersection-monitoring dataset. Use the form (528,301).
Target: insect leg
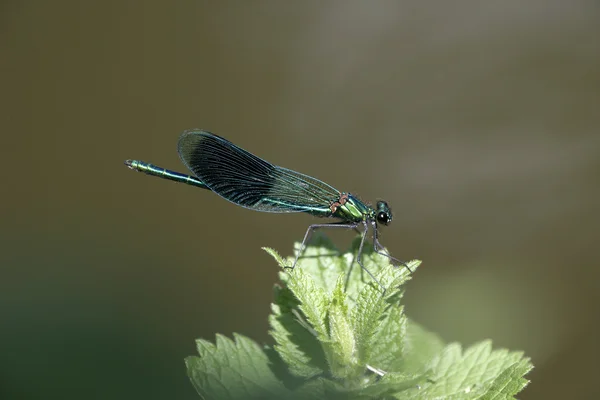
(309,232)
(359,255)
(378,248)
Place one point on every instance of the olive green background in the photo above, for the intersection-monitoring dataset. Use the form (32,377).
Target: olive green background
(479,122)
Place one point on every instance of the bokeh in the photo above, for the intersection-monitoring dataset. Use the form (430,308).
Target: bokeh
(479,122)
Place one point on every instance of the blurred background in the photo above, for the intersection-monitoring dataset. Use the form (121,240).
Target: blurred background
(478,122)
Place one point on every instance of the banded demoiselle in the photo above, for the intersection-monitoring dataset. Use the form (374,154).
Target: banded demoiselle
(251,182)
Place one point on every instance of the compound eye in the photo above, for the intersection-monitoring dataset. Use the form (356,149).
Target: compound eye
(383,217)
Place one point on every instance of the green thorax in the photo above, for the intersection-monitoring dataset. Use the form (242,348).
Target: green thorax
(350,208)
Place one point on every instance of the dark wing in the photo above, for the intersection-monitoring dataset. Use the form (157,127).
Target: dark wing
(246,180)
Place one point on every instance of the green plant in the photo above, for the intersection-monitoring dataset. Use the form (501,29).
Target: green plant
(337,336)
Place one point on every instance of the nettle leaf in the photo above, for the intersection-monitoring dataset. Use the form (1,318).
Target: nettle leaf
(478,373)
(349,324)
(387,352)
(296,345)
(510,382)
(233,370)
(313,301)
(420,346)
(341,341)
(376,309)
(340,334)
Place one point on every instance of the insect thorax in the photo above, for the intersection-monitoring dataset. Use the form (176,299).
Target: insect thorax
(350,208)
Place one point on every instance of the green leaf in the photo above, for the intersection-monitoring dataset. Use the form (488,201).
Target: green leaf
(312,301)
(478,373)
(323,262)
(510,381)
(350,321)
(296,346)
(339,333)
(233,370)
(341,341)
(376,310)
(392,384)
(420,346)
(387,352)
